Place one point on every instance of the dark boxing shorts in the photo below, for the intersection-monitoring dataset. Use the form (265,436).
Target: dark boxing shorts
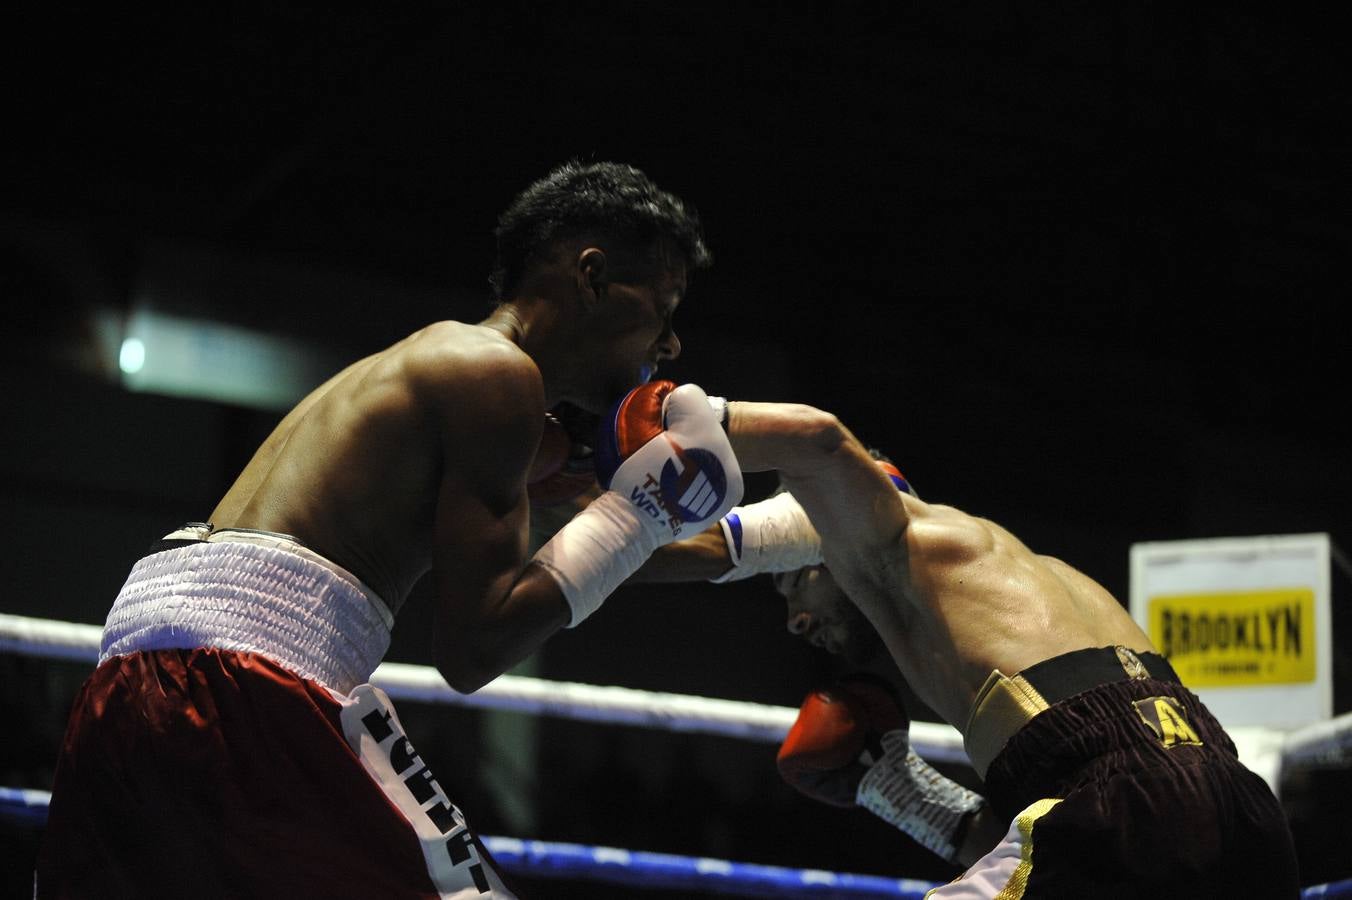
(1124,785)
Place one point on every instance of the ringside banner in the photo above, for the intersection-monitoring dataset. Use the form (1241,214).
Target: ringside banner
(1246,623)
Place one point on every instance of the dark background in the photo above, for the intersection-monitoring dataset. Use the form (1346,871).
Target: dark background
(1080,271)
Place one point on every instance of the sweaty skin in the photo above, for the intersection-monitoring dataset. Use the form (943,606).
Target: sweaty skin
(953,596)
(415,459)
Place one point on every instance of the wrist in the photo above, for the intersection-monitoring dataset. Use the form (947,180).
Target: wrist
(597,550)
(720,407)
(773,535)
(907,792)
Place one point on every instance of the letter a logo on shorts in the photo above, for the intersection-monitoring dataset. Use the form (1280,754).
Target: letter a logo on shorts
(1165,717)
(697,487)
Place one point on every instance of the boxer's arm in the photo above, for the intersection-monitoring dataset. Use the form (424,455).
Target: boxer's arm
(815,453)
(492,609)
(667,467)
(767,537)
(703,557)
(851,502)
(547,519)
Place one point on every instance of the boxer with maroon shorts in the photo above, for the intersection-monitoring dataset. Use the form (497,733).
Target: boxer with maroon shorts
(228,744)
(1113,778)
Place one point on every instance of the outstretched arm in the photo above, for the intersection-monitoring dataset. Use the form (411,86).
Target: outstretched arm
(854,506)
(849,500)
(816,457)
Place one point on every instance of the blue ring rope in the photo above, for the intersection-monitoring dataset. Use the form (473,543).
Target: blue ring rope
(549,859)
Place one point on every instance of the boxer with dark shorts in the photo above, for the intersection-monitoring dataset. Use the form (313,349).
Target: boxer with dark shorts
(1113,779)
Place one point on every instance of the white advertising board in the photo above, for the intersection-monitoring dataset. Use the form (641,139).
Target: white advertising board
(1246,623)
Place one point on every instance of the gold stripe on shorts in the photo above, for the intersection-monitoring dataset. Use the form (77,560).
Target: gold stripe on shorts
(1018,881)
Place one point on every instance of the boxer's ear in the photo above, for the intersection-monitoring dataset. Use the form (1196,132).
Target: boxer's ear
(591,276)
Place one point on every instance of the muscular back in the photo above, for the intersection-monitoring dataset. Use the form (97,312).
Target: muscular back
(953,596)
(978,599)
(355,470)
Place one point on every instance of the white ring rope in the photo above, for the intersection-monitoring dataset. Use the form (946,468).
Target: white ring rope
(49,639)
(1265,751)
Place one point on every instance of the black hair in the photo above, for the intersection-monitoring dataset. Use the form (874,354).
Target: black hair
(608,199)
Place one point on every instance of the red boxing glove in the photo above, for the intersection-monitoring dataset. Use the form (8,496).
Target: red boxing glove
(850,747)
(837,738)
(635,419)
(663,448)
(563,467)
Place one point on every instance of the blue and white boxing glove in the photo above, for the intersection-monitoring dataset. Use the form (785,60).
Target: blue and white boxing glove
(668,471)
(663,447)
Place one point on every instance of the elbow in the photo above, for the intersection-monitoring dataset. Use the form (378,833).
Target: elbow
(818,435)
(465,678)
(465,665)
(825,434)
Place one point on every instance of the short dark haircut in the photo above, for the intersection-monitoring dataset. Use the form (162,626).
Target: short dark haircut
(606,199)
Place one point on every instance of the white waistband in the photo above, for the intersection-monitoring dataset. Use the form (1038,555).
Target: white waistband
(253,592)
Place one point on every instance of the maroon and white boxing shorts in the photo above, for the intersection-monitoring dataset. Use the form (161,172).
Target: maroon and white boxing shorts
(227,745)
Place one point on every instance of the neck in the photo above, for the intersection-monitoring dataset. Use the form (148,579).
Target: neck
(507,321)
(534,327)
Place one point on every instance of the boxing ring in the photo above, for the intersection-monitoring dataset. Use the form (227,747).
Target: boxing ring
(1266,752)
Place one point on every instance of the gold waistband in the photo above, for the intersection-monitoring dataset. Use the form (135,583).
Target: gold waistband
(1002,707)
(1005,704)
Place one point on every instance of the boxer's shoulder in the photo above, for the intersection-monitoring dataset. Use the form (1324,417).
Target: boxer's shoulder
(940,533)
(464,364)
(459,342)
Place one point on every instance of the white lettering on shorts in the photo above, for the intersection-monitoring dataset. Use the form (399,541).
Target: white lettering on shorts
(374,733)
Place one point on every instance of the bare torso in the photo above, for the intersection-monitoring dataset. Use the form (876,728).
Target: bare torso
(974,598)
(355,470)
(952,595)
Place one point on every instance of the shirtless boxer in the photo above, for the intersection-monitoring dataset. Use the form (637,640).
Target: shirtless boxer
(228,743)
(850,739)
(1085,739)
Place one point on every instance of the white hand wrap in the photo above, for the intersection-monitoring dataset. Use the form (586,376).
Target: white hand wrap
(720,407)
(773,535)
(596,551)
(903,789)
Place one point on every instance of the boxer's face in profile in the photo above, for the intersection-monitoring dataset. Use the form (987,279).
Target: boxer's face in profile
(634,322)
(821,613)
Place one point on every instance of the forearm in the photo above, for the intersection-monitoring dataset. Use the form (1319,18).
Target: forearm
(772,535)
(789,437)
(703,557)
(547,519)
(472,651)
(848,498)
